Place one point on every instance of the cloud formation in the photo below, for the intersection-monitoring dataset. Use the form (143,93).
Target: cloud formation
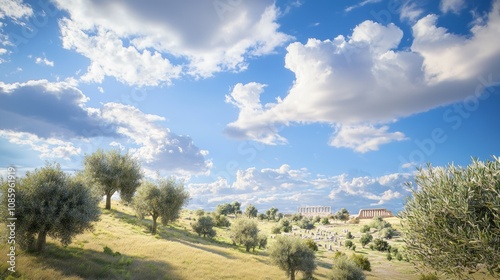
(53,119)
(151,43)
(364,81)
(288,188)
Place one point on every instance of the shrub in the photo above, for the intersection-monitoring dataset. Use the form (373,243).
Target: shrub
(365,239)
(348,243)
(262,240)
(305,224)
(276,230)
(380,245)
(389,256)
(361,261)
(349,235)
(365,228)
(325,221)
(221,220)
(311,244)
(379,223)
(199,212)
(354,221)
(245,232)
(286,226)
(345,269)
(204,227)
(317,219)
(387,233)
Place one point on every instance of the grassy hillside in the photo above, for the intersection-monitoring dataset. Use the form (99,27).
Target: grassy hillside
(122,248)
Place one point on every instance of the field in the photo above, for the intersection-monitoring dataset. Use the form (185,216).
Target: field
(122,248)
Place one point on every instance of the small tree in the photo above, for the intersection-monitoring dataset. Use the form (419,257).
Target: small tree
(271,213)
(235,205)
(381,245)
(224,209)
(345,269)
(199,212)
(452,221)
(342,215)
(305,223)
(365,239)
(361,261)
(204,227)
(325,221)
(251,211)
(220,220)
(110,172)
(349,235)
(50,202)
(387,233)
(348,243)
(365,228)
(245,232)
(163,199)
(311,244)
(286,225)
(292,255)
(262,239)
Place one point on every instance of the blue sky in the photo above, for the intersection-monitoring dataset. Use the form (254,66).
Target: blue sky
(286,104)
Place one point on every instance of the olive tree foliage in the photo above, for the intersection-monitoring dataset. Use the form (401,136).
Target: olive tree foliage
(293,255)
(344,268)
(251,211)
(204,227)
(50,202)
(245,232)
(452,221)
(111,172)
(162,199)
(342,215)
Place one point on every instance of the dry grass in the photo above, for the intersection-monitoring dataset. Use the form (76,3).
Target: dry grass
(176,252)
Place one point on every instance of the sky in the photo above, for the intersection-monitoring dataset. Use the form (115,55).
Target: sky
(282,103)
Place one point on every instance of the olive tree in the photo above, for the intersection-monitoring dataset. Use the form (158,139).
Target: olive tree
(111,171)
(342,215)
(204,226)
(162,199)
(245,232)
(251,211)
(50,202)
(451,222)
(292,255)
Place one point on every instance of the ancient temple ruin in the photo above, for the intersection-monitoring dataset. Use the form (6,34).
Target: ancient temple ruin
(370,213)
(313,211)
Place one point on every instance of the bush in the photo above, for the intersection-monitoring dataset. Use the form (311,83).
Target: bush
(204,227)
(389,256)
(345,269)
(380,245)
(361,261)
(379,223)
(317,219)
(276,230)
(354,221)
(399,257)
(199,212)
(365,239)
(286,226)
(305,224)
(311,244)
(221,220)
(365,228)
(387,233)
(245,232)
(349,235)
(262,240)
(297,217)
(348,243)
(325,221)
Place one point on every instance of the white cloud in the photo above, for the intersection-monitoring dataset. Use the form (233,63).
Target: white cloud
(14,9)
(361,4)
(288,188)
(410,11)
(49,148)
(453,6)
(43,113)
(45,61)
(363,81)
(154,43)
(364,138)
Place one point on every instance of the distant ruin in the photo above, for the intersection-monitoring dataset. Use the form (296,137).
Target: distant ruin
(313,211)
(371,213)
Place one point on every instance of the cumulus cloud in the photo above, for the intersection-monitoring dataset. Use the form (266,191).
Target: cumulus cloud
(49,148)
(152,43)
(288,188)
(453,6)
(364,138)
(44,61)
(363,82)
(53,119)
(14,9)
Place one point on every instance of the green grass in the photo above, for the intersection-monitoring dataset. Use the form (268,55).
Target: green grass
(121,247)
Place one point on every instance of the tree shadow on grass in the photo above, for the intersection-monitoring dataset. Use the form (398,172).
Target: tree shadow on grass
(91,264)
